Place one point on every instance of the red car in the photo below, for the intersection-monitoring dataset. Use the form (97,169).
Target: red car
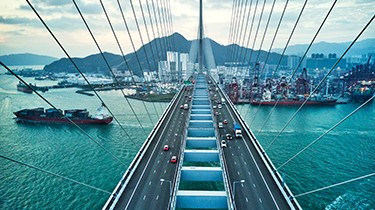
(225,121)
(166,147)
(182,106)
(174,159)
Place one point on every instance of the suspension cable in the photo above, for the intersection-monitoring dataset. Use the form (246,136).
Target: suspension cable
(144,49)
(325,133)
(107,64)
(256,33)
(53,106)
(74,64)
(251,30)
(308,48)
(153,31)
(234,26)
(136,55)
(54,174)
(282,55)
(122,52)
(157,14)
(335,185)
(265,30)
(140,34)
(239,25)
(245,32)
(230,27)
(171,22)
(321,81)
(148,35)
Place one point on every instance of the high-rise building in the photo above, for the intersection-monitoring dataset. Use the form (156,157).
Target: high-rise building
(175,68)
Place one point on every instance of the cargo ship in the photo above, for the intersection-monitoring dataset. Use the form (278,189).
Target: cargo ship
(363,91)
(23,88)
(314,100)
(78,116)
(296,102)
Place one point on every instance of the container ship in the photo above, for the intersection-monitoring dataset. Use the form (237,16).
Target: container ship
(363,91)
(296,102)
(78,116)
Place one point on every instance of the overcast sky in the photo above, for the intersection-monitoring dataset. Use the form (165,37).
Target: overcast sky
(21,30)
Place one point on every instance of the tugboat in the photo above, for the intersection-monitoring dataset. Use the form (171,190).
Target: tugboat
(78,116)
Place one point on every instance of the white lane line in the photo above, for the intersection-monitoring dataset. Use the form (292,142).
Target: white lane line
(254,185)
(256,164)
(238,172)
(235,163)
(157,197)
(154,171)
(158,161)
(260,200)
(165,171)
(149,183)
(148,161)
(245,162)
(249,172)
(161,183)
(247,200)
(144,197)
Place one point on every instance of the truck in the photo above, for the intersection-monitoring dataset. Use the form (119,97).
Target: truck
(237,130)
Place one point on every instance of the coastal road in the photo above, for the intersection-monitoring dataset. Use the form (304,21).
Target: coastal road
(242,162)
(145,190)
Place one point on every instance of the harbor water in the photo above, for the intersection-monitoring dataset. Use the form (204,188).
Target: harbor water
(345,153)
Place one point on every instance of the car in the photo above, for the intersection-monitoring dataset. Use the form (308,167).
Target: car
(217,113)
(223,143)
(229,137)
(219,106)
(214,106)
(166,147)
(225,121)
(220,125)
(182,106)
(174,159)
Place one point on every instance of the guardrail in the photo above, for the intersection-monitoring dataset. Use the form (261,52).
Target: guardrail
(284,189)
(113,199)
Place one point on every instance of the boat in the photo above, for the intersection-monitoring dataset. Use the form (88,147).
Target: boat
(78,116)
(296,102)
(314,100)
(24,88)
(363,91)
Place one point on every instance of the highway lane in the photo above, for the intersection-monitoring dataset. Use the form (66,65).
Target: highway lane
(145,191)
(259,191)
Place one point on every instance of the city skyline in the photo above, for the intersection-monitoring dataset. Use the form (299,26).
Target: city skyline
(20,25)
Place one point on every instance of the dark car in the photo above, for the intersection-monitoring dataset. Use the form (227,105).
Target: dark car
(229,137)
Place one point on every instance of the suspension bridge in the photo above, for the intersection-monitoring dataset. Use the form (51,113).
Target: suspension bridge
(210,169)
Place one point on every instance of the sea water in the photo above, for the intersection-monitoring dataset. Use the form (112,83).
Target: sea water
(345,153)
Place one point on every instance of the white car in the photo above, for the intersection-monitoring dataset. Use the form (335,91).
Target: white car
(220,125)
(223,143)
(219,106)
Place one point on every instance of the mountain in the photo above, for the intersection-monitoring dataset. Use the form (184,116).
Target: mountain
(359,48)
(90,64)
(26,59)
(157,50)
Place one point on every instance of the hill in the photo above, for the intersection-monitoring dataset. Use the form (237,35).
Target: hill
(359,48)
(26,59)
(155,50)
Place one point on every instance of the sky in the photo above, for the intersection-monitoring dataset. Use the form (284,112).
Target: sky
(22,32)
